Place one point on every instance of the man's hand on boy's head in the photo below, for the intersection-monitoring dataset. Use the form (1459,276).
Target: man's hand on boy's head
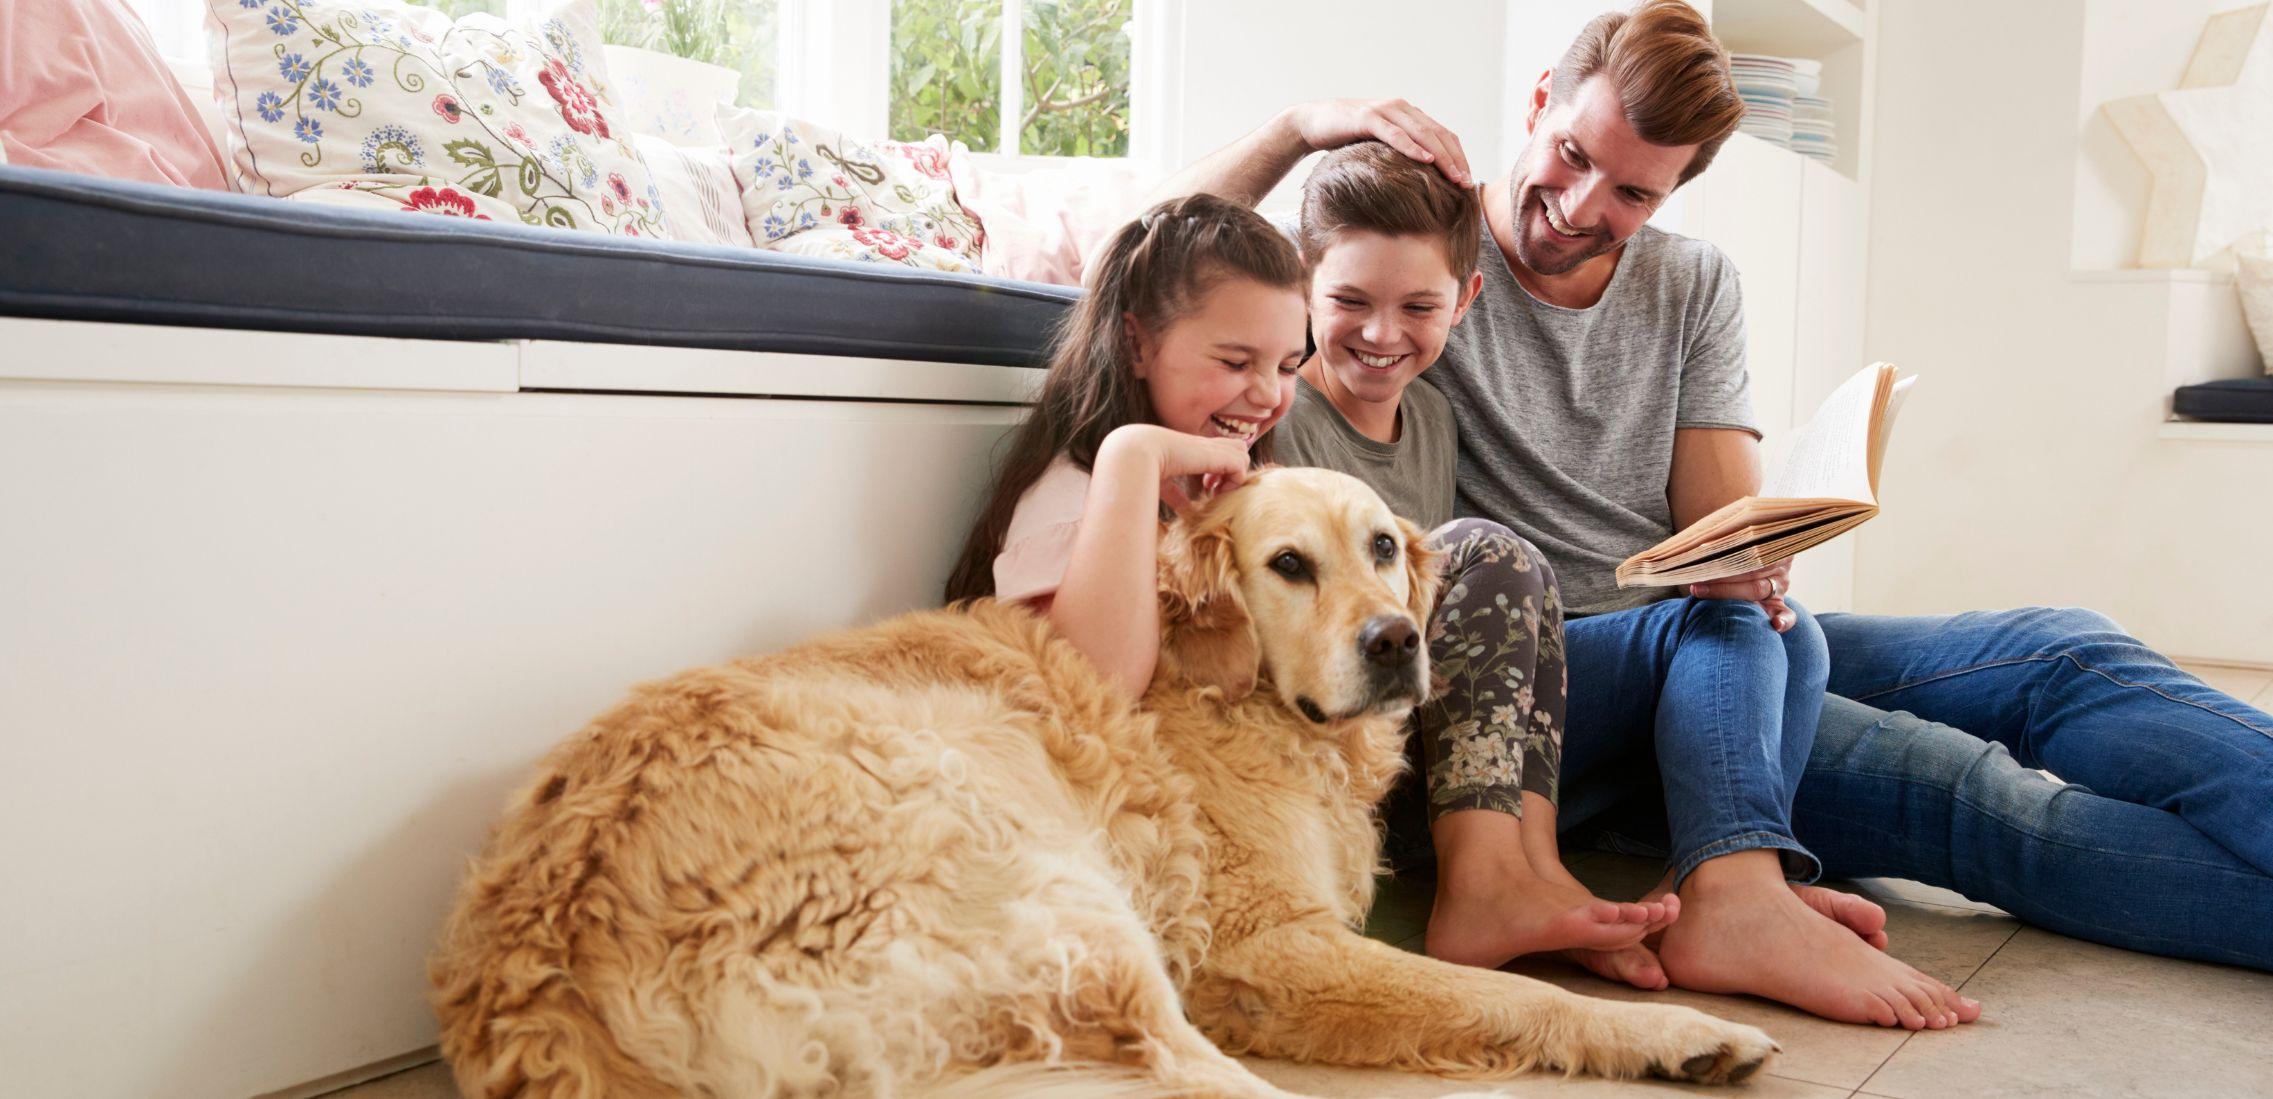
(1333,123)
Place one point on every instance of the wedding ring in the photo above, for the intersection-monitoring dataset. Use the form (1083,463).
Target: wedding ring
(1775,586)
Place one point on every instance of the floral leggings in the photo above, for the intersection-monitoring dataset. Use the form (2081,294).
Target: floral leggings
(1493,725)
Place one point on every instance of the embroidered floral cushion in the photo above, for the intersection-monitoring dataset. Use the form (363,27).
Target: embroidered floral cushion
(872,246)
(405,104)
(798,178)
(697,186)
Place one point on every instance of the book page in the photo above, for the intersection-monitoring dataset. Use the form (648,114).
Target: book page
(1884,428)
(1830,456)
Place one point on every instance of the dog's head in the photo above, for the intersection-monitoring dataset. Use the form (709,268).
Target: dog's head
(1301,578)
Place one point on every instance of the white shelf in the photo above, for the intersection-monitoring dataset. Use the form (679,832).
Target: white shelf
(1788,28)
(2199,431)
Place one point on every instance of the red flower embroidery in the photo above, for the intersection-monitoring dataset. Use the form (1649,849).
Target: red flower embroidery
(840,181)
(515,134)
(578,107)
(887,243)
(947,242)
(444,201)
(927,159)
(616,183)
(850,217)
(448,107)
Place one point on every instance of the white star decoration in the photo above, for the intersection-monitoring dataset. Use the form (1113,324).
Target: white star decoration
(2209,144)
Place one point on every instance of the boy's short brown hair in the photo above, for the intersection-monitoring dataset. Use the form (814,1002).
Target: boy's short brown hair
(1373,188)
(1671,76)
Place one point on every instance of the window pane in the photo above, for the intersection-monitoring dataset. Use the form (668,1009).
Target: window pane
(456,8)
(1077,78)
(947,71)
(742,35)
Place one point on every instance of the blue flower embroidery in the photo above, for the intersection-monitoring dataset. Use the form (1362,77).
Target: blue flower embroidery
(282,22)
(775,227)
(396,140)
(249,3)
(270,105)
(804,169)
(806,220)
(789,136)
(308,130)
(357,73)
(294,67)
(763,166)
(501,82)
(325,94)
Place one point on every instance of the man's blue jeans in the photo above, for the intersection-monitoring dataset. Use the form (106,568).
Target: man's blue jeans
(2068,691)
(2153,840)
(1723,701)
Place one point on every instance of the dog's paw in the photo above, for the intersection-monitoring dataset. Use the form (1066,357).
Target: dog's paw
(1679,1043)
(1713,1051)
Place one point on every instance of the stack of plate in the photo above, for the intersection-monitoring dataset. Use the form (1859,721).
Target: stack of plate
(1812,129)
(1768,86)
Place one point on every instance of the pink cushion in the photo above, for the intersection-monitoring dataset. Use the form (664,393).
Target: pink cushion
(83,89)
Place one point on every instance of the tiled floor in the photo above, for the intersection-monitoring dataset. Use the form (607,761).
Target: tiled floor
(2062,1017)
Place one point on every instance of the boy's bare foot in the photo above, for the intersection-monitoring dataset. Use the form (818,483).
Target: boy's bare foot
(1744,931)
(1490,922)
(1636,965)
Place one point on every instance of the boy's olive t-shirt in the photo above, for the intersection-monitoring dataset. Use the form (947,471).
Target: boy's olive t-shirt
(1414,475)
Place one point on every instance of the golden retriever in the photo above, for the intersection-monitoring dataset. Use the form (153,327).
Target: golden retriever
(942,856)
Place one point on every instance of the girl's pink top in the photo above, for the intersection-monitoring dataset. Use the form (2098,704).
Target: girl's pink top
(1040,541)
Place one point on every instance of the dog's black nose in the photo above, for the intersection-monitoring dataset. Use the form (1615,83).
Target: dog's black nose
(1389,641)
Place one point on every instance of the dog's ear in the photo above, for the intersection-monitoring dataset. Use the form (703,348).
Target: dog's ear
(1423,572)
(1206,637)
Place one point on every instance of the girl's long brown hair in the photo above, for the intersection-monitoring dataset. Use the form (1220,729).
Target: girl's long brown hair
(1154,269)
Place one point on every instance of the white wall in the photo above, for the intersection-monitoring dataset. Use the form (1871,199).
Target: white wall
(2030,465)
(1244,60)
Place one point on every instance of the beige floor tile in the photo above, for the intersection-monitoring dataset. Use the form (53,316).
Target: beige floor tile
(1329,1082)
(424,1082)
(2264,699)
(2242,683)
(2065,1017)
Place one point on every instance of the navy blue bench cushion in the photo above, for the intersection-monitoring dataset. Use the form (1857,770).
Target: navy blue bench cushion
(82,248)
(2234,400)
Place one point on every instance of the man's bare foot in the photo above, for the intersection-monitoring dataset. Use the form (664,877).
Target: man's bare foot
(1859,915)
(1487,923)
(1743,930)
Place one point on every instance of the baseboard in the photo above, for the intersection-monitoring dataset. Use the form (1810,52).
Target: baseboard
(360,1075)
(2217,662)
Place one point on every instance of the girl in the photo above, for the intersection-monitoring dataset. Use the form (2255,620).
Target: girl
(1166,382)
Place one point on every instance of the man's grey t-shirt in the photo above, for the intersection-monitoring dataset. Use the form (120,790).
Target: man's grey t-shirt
(1566,416)
(1413,475)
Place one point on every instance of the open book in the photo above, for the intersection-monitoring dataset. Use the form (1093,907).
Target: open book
(1828,485)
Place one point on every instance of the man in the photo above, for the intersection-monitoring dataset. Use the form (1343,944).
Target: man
(1599,393)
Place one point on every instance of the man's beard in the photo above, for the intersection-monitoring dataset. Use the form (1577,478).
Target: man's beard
(1542,255)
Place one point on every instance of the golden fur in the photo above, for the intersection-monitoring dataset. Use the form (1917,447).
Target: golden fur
(941,855)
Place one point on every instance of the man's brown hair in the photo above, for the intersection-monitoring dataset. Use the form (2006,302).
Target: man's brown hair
(1370,187)
(1670,73)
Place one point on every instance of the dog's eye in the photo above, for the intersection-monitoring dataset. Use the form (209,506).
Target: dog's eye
(1291,565)
(1384,548)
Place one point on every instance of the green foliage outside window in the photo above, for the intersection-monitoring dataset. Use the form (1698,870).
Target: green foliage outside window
(459,8)
(947,65)
(739,34)
(1077,78)
(947,71)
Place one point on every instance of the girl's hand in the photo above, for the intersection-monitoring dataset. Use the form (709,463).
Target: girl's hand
(1192,467)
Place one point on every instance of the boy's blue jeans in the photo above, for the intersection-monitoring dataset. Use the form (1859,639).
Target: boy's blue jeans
(2159,838)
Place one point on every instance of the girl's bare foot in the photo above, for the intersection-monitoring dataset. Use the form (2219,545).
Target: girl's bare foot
(1744,931)
(1636,965)
(1861,916)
